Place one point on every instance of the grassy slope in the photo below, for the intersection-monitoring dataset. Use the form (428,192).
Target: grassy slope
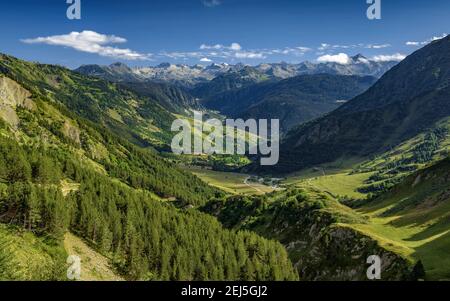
(347,177)
(415,217)
(340,184)
(421,232)
(137,118)
(415,233)
(28,257)
(406,220)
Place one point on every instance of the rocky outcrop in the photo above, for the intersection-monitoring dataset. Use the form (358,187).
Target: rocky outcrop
(71,132)
(12,96)
(339,253)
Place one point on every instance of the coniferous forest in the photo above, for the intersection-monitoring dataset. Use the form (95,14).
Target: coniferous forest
(145,238)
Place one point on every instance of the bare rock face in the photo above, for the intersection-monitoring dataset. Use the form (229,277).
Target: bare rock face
(12,96)
(72,132)
(342,253)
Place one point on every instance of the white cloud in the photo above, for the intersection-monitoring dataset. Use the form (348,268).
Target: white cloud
(91,42)
(435,38)
(378,46)
(389,58)
(438,37)
(235,47)
(235,50)
(206,47)
(340,58)
(249,55)
(211,3)
(325,46)
(363,60)
(181,55)
(205,60)
(303,49)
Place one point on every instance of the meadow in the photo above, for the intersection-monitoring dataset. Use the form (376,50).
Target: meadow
(233,183)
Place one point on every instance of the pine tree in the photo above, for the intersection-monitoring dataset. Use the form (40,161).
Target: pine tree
(418,272)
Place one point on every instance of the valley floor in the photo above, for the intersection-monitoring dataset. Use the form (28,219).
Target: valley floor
(234,183)
(338,183)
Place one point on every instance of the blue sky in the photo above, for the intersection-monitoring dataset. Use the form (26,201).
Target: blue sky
(148,32)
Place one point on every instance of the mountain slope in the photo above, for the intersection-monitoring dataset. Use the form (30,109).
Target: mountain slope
(303,98)
(407,100)
(415,215)
(115,72)
(139,118)
(293,101)
(170,97)
(60,172)
(28,118)
(229,81)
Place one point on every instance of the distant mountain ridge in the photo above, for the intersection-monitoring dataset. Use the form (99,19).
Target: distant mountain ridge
(190,76)
(183,75)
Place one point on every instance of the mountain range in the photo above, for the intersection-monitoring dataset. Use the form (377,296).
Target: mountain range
(293,93)
(190,76)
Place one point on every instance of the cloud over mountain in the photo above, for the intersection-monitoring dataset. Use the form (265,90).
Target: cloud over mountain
(435,38)
(340,58)
(397,57)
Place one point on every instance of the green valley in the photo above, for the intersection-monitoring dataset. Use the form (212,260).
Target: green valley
(86,169)
(61,172)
